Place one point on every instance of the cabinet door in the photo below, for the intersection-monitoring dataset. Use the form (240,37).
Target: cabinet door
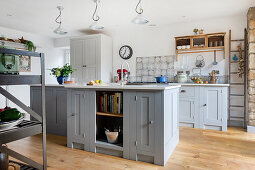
(145,112)
(187,110)
(211,101)
(90,59)
(77,55)
(78,117)
(84,58)
(61,111)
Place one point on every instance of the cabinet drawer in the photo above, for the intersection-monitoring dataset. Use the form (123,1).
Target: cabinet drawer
(187,92)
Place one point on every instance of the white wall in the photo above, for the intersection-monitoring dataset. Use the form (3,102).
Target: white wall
(159,41)
(54,57)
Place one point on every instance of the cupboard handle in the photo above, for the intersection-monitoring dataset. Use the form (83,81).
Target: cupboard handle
(204,105)
(84,66)
(73,114)
(183,91)
(151,122)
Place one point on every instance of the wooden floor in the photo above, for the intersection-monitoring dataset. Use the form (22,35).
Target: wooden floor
(197,149)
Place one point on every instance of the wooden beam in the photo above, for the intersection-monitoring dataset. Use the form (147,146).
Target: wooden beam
(199,51)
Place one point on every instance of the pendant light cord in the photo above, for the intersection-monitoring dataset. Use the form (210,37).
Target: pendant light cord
(136,8)
(56,20)
(95,18)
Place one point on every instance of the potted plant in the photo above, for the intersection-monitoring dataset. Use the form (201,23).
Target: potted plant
(195,30)
(201,31)
(62,73)
(30,45)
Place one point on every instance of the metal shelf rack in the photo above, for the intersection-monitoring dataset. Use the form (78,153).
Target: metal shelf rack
(26,128)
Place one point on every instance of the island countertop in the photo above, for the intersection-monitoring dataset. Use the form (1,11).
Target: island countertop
(126,87)
(137,86)
(206,85)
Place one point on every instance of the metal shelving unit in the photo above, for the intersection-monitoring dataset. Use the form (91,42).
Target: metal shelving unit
(26,128)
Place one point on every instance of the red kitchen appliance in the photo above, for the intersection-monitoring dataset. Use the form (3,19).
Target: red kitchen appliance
(125,72)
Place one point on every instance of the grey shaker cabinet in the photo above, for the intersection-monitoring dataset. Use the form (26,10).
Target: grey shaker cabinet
(150,124)
(78,120)
(187,110)
(204,107)
(142,125)
(145,115)
(56,107)
(213,108)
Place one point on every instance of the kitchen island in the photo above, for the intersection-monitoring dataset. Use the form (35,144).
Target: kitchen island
(145,117)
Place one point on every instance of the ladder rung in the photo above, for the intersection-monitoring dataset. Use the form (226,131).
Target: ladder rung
(235,51)
(236,83)
(236,117)
(235,106)
(236,95)
(238,40)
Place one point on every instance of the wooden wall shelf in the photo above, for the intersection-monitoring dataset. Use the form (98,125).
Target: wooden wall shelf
(200,43)
(109,114)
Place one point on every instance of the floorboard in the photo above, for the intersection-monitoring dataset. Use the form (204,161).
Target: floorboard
(197,149)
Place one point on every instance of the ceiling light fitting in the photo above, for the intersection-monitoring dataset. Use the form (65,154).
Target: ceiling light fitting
(139,19)
(59,30)
(96,25)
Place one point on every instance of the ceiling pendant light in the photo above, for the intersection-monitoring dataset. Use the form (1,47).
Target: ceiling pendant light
(59,30)
(96,25)
(139,19)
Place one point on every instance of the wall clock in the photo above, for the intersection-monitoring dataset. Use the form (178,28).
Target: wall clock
(126,52)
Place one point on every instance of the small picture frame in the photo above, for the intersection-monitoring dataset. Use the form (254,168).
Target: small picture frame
(25,63)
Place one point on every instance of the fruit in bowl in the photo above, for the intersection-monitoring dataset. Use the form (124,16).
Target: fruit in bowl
(96,82)
(197,80)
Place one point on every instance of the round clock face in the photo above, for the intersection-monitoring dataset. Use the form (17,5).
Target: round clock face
(126,52)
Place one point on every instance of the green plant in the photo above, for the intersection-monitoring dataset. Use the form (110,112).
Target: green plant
(30,45)
(62,71)
(195,30)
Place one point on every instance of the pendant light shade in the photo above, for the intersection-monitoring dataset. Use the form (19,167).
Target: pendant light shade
(96,25)
(59,30)
(139,19)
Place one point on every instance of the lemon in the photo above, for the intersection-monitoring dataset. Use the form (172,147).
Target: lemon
(96,81)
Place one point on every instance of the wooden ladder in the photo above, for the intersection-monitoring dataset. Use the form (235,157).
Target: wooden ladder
(234,109)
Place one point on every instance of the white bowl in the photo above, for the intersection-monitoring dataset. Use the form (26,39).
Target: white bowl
(112,137)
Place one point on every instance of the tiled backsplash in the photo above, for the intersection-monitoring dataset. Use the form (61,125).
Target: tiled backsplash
(147,68)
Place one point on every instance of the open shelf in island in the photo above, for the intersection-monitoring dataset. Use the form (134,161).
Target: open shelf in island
(109,114)
(103,143)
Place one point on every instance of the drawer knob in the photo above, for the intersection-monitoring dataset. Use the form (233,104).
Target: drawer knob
(183,91)
(204,105)
(151,122)
(73,114)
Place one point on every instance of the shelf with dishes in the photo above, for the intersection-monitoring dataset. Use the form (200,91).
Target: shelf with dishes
(200,43)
